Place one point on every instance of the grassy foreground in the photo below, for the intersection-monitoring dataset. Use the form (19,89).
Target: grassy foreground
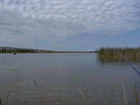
(44,99)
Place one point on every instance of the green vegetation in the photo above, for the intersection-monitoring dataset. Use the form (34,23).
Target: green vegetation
(25,50)
(128,53)
(16,50)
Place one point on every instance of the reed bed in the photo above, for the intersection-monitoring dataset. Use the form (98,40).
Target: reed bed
(129,53)
(0,102)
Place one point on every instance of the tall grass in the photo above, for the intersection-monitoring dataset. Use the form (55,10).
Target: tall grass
(8,91)
(40,92)
(125,101)
(80,91)
(128,53)
(0,102)
(136,93)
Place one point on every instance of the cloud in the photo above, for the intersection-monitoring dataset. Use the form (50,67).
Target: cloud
(28,20)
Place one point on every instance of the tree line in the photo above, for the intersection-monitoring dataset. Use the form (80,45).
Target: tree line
(4,50)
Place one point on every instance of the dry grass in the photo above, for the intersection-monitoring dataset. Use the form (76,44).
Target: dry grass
(39,90)
(0,102)
(80,91)
(135,89)
(125,101)
(131,54)
(8,91)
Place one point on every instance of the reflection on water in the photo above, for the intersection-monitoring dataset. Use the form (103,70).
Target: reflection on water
(57,75)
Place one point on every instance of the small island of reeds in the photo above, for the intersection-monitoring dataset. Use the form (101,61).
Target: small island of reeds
(129,53)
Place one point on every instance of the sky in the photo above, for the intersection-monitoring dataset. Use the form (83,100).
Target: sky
(70,25)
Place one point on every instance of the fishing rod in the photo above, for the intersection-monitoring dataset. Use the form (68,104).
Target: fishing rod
(127,61)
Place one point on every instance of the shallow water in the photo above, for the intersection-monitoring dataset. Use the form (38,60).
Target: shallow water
(65,79)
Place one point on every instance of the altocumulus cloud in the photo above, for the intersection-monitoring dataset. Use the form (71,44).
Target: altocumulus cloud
(22,20)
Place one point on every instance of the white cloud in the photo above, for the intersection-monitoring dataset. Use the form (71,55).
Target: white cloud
(51,19)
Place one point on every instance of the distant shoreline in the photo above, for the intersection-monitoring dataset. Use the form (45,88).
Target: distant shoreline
(49,52)
(6,50)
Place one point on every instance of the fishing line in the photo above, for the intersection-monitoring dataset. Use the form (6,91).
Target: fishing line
(128,62)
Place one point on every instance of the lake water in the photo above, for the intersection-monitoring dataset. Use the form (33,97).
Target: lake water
(66,79)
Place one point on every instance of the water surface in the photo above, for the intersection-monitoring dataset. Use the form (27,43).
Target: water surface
(65,79)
